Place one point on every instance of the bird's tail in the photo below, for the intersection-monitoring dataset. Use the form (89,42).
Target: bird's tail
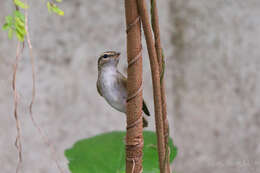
(145,122)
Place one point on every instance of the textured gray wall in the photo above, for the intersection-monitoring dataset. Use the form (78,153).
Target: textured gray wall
(213,83)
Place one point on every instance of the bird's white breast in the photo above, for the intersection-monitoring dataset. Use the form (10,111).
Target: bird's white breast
(111,90)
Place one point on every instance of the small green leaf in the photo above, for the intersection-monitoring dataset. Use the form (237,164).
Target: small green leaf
(58,0)
(19,15)
(9,19)
(58,11)
(54,8)
(10,33)
(19,23)
(19,29)
(5,26)
(21,4)
(15,23)
(20,36)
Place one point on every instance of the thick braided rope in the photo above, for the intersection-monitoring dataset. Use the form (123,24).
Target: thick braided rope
(130,63)
(130,97)
(135,159)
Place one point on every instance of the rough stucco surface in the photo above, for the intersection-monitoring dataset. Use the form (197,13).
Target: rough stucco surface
(213,82)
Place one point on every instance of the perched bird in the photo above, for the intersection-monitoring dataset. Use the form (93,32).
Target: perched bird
(111,84)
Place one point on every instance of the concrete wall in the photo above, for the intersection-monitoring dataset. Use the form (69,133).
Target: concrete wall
(213,83)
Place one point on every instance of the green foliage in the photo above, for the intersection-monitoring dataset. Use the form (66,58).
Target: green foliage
(15,24)
(53,8)
(21,4)
(106,153)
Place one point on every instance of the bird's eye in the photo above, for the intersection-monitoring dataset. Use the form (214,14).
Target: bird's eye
(105,56)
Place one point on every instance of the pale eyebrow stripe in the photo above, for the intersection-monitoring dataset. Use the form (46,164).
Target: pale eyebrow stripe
(108,54)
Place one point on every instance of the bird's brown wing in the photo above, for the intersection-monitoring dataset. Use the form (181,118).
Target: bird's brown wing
(99,90)
(145,108)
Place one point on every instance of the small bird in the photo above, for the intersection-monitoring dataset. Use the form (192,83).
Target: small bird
(111,84)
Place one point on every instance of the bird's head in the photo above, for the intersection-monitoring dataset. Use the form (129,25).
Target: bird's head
(109,58)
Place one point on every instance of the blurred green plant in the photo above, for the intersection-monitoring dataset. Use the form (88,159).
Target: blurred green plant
(53,8)
(15,23)
(21,4)
(106,153)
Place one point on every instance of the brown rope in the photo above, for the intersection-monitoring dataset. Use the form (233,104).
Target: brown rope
(133,147)
(139,120)
(134,159)
(135,59)
(155,68)
(130,26)
(135,144)
(136,93)
(18,143)
(36,125)
(132,61)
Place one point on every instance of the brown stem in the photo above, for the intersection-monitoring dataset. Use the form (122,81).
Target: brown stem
(41,132)
(134,134)
(18,142)
(156,82)
(156,31)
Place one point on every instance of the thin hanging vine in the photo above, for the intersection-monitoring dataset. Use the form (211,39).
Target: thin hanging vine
(17,24)
(161,62)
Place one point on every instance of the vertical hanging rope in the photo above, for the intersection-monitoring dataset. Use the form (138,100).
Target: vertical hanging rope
(156,31)
(41,132)
(156,82)
(134,134)
(18,143)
